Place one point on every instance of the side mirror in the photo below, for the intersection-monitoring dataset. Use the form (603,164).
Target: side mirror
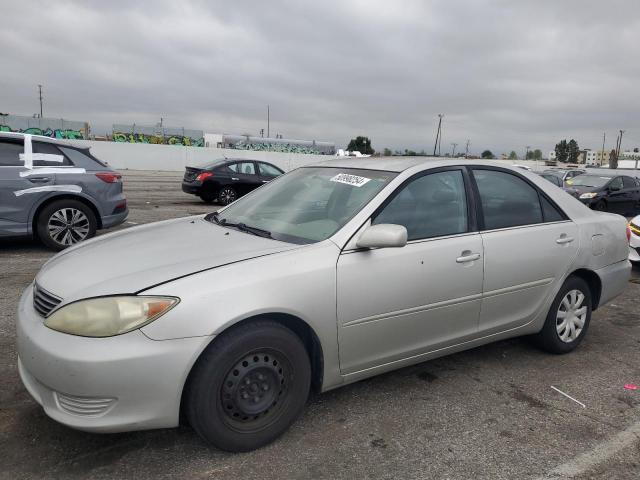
(384,235)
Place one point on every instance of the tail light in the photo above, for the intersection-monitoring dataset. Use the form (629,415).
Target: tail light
(109,177)
(203,176)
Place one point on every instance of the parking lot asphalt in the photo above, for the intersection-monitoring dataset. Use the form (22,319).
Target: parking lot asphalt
(487,413)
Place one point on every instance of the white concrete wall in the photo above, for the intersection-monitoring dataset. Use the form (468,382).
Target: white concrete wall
(142,156)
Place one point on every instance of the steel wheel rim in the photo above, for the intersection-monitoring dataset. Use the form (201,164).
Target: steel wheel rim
(571,316)
(253,394)
(68,226)
(227,195)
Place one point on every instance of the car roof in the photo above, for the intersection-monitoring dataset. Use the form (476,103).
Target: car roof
(41,138)
(400,164)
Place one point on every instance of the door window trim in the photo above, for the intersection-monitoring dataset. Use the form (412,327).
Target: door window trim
(539,191)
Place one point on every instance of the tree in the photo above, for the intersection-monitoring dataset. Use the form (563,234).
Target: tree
(613,159)
(513,155)
(537,154)
(562,151)
(361,144)
(487,154)
(387,152)
(573,151)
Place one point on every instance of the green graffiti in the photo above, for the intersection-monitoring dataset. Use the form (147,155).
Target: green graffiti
(158,139)
(276,147)
(66,134)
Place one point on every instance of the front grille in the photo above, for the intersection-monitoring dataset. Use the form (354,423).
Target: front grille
(85,406)
(43,301)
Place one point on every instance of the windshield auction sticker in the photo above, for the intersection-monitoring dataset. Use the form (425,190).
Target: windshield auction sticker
(353,180)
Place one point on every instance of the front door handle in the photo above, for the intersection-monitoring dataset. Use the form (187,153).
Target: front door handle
(467,256)
(234,178)
(265,181)
(564,239)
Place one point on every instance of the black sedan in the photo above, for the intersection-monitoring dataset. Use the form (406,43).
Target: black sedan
(607,193)
(224,181)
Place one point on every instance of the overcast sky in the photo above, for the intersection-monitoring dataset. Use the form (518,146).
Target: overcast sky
(505,74)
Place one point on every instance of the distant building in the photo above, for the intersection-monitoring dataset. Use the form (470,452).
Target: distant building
(596,158)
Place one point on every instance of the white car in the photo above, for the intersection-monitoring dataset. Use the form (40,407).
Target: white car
(634,240)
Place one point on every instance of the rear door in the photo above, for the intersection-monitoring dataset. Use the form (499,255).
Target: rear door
(244,177)
(529,244)
(14,202)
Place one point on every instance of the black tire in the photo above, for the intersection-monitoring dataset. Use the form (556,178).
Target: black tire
(208,197)
(231,397)
(600,206)
(550,337)
(81,224)
(227,195)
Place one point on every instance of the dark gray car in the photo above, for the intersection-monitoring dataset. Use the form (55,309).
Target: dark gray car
(56,191)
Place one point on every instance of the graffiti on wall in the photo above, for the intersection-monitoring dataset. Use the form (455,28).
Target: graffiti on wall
(66,134)
(275,147)
(183,140)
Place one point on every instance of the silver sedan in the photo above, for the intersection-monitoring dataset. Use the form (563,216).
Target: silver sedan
(329,274)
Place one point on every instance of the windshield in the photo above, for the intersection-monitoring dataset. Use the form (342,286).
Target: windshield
(306,205)
(552,177)
(589,181)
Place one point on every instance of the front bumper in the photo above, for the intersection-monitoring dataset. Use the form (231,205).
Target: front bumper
(115,384)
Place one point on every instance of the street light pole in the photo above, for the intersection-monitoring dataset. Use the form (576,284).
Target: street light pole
(40,91)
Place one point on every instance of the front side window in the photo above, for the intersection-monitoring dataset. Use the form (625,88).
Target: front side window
(306,205)
(10,154)
(506,200)
(267,170)
(616,184)
(433,205)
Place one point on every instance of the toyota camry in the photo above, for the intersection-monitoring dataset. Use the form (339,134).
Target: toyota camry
(327,275)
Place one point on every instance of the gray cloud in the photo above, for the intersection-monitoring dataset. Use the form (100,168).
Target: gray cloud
(505,74)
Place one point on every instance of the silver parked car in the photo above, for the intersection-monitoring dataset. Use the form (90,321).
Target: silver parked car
(56,191)
(326,275)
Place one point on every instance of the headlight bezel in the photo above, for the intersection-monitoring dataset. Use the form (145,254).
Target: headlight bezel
(588,195)
(84,327)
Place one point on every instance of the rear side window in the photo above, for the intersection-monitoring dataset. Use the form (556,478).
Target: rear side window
(81,159)
(628,182)
(507,200)
(550,212)
(10,154)
(49,149)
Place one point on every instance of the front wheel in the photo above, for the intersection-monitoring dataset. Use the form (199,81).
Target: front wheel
(64,223)
(227,195)
(601,206)
(568,318)
(249,386)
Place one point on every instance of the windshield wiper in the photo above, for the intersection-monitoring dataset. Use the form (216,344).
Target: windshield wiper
(243,227)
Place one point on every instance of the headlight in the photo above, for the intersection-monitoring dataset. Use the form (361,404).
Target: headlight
(108,316)
(589,195)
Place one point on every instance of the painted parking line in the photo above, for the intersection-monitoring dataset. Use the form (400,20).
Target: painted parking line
(597,455)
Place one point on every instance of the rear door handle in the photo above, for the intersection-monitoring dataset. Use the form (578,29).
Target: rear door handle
(564,239)
(39,179)
(467,257)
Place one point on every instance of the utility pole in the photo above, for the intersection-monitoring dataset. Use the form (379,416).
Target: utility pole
(526,154)
(262,132)
(40,91)
(604,136)
(437,133)
(466,150)
(619,145)
(268,120)
(453,150)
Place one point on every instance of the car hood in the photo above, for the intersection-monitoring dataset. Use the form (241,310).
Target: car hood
(579,189)
(133,260)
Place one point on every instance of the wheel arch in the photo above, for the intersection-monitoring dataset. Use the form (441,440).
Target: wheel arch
(302,329)
(594,283)
(65,196)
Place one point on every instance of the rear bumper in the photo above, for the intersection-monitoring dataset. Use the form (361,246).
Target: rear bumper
(614,279)
(113,220)
(192,188)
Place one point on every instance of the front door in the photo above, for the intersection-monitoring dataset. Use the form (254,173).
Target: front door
(398,303)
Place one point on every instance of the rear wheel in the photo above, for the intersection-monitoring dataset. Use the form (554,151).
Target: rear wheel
(568,318)
(64,223)
(227,195)
(249,386)
(207,197)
